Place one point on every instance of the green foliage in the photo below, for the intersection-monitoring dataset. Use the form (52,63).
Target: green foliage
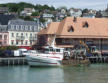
(41,8)
(21,17)
(42,20)
(13,7)
(18,7)
(85,11)
(2,48)
(27,18)
(35,14)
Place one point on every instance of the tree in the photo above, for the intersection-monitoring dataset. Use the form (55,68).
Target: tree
(13,7)
(42,20)
(62,7)
(85,11)
(35,14)
(27,18)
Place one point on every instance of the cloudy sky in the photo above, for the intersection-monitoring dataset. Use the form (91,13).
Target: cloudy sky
(93,4)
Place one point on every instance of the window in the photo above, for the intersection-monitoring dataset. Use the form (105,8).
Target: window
(26,27)
(51,49)
(17,27)
(85,24)
(30,34)
(21,34)
(20,27)
(12,27)
(26,35)
(0,36)
(5,36)
(16,34)
(12,42)
(31,28)
(71,29)
(12,34)
(26,42)
(46,49)
(30,42)
(75,19)
(57,50)
(35,35)
(17,42)
(54,50)
(0,43)
(21,42)
(5,42)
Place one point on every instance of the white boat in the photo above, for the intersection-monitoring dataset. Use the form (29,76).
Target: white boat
(52,56)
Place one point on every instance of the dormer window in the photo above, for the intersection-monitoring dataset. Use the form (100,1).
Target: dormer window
(71,29)
(75,19)
(85,25)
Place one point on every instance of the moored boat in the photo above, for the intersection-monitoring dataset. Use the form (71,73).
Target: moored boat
(51,56)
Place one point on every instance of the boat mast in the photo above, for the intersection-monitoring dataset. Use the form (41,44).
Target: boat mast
(53,41)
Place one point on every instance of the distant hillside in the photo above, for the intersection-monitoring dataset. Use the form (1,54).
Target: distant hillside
(17,7)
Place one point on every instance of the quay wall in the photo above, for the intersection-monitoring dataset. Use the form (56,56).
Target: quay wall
(13,61)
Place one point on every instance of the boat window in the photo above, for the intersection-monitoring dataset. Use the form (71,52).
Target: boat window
(46,49)
(57,50)
(51,49)
(54,50)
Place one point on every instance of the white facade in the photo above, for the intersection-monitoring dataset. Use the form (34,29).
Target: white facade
(22,33)
(22,38)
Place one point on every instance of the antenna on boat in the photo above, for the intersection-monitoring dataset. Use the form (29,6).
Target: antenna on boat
(53,41)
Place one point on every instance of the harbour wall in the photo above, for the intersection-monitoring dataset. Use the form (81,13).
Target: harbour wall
(13,61)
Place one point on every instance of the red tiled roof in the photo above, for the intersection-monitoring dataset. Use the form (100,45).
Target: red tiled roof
(97,28)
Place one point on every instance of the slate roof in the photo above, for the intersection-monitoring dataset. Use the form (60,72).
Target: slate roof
(4,19)
(21,22)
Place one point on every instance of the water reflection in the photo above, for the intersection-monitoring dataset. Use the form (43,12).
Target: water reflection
(95,73)
(25,74)
(92,74)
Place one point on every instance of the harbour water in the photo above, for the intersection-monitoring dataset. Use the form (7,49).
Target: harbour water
(95,73)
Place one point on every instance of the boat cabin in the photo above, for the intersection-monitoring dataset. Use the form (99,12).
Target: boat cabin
(53,50)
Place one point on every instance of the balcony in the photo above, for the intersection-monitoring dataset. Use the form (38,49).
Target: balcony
(32,38)
(20,38)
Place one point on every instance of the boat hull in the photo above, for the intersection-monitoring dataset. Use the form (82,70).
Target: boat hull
(43,61)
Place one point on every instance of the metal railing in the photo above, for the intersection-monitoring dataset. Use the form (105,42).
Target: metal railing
(32,38)
(20,37)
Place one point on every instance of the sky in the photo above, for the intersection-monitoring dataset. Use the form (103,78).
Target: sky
(91,4)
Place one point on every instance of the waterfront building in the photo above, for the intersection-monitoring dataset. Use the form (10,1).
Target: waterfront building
(71,30)
(22,33)
(4,36)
